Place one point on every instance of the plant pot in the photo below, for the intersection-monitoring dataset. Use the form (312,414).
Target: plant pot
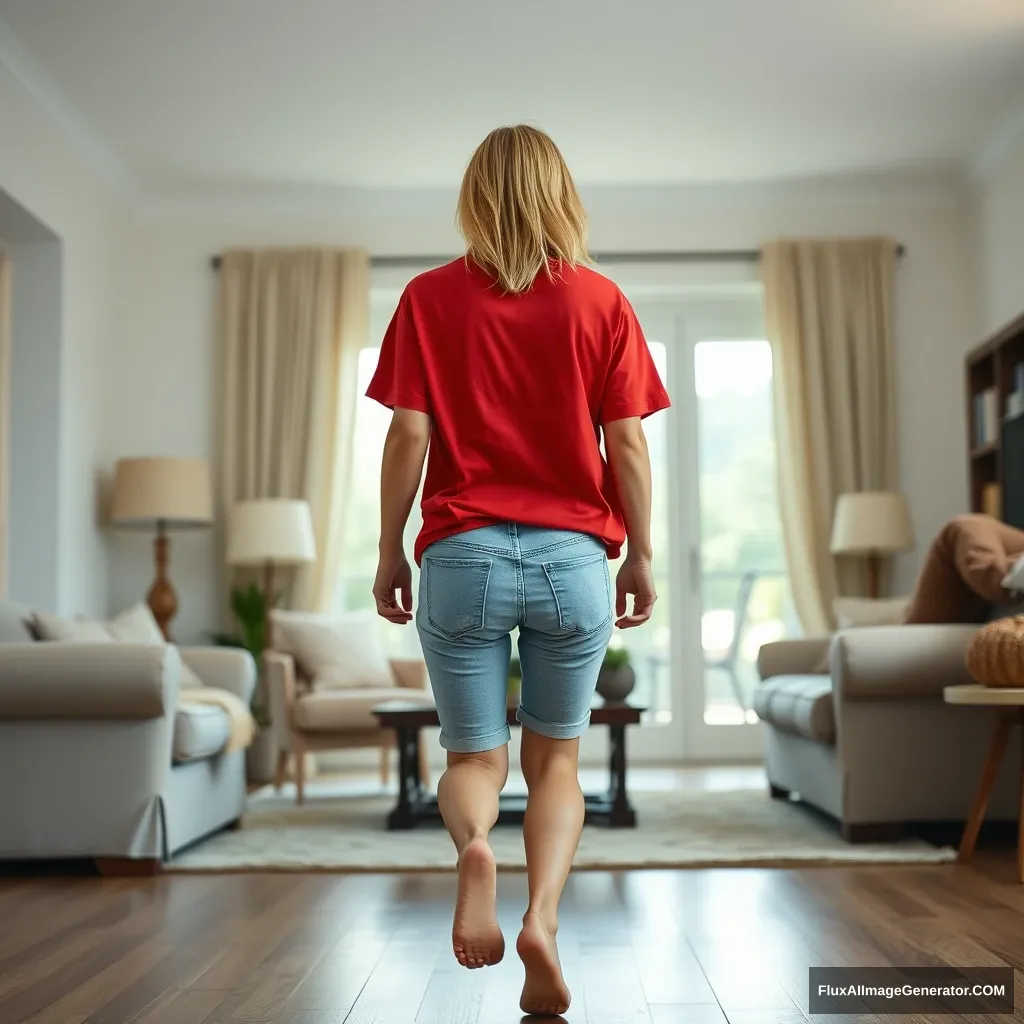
(261,757)
(515,688)
(616,684)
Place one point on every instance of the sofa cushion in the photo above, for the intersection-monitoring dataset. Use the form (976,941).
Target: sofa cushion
(801,705)
(348,710)
(14,623)
(200,731)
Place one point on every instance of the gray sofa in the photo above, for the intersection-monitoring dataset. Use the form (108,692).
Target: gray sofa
(97,759)
(870,741)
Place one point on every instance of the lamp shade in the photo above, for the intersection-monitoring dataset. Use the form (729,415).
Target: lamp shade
(276,530)
(176,492)
(871,523)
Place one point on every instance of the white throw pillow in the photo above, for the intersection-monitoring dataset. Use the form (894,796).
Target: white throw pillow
(333,651)
(134,626)
(1014,579)
(71,631)
(852,612)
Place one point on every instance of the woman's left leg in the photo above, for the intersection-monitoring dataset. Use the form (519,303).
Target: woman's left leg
(467,795)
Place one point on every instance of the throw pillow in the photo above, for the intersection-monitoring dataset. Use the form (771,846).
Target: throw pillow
(1014,579)
(333,651)
(964,569)
(134,626)
(852,612)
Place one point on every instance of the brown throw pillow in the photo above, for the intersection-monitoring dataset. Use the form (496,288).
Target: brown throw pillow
(963,570)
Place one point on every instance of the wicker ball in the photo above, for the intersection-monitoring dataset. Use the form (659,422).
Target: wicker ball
(995,655)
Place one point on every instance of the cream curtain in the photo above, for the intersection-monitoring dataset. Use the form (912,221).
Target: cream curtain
(5,409)
(829,317)
(291,324)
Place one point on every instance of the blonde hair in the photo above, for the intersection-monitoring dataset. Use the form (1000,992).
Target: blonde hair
(519,209)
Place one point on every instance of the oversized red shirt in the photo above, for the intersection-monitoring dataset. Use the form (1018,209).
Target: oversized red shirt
(517,388)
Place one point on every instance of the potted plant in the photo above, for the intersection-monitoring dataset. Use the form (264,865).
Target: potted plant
(515,683)
(248,607)
(616,679)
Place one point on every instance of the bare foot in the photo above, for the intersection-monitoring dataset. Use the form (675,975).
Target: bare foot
(544,991)
(476,937)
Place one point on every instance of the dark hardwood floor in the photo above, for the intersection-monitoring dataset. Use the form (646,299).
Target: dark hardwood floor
(658,947)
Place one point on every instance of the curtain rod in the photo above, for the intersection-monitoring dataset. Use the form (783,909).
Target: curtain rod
(664,256)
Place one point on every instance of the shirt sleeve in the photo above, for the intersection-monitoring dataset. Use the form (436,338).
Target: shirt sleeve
(400,378)
(633,386)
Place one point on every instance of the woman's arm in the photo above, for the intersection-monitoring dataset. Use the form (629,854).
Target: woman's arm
(630,462)
(401,468)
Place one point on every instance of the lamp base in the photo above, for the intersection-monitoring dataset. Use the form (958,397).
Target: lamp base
(874,569)
(161,598)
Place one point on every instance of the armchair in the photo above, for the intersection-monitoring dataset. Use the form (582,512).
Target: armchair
(305,719)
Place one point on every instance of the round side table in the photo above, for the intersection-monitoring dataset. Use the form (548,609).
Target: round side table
(1010,703)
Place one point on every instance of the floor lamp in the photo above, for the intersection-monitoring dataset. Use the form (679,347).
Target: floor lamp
(270,533)
(871,525)
(162,494)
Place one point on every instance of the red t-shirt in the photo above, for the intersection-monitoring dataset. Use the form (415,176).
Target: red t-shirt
(517,387)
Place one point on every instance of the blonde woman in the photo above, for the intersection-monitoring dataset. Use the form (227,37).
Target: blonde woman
(512,362)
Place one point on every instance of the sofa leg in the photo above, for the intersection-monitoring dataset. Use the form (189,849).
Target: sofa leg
(128,867)
(778,792)
(872,832)
(281,770)
(300,776)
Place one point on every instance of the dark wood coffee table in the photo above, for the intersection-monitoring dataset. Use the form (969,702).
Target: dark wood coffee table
(416,804)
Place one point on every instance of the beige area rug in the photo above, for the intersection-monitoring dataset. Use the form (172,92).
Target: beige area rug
(338,830)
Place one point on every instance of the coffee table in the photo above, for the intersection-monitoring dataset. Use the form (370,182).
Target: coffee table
(1009,702)
(416,804)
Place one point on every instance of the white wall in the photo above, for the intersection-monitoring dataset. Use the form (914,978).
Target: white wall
(45,175)
(165,398)
(1000,235)
(33,532)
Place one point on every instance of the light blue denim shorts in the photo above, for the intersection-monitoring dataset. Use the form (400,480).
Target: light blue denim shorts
(475,588)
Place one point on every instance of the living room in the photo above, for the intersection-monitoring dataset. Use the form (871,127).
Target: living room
(152,158)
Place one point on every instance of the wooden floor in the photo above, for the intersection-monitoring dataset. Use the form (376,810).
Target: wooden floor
(700,947)
(643,947)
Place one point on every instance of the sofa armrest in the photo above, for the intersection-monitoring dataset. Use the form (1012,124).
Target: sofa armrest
(880,663)
(410,673)
(224,668)
(806,656)
(88,681)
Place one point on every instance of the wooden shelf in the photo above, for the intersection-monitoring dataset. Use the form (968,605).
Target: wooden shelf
(991,367)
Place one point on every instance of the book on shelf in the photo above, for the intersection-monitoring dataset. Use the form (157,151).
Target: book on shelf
(992,500)
(986,417)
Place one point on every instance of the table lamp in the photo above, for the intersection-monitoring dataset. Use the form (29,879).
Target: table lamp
(162,494)
(871,525)
(270,532)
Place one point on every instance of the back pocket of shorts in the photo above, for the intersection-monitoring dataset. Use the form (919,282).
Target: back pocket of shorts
(456,594)
(582,592)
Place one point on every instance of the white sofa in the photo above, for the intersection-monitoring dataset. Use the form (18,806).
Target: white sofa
(97,759)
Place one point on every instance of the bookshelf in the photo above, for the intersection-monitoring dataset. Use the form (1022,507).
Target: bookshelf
(995,424)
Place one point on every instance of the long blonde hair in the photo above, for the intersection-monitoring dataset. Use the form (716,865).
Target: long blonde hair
(519,209)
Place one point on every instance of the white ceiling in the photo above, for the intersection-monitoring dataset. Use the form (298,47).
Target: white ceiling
(199,94)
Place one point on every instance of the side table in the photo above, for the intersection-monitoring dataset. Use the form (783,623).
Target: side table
(1010,705)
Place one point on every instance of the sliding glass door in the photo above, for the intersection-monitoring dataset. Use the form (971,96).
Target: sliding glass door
(722,575)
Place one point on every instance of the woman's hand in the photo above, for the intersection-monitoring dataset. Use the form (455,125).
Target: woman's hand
(393,574)
(634,577)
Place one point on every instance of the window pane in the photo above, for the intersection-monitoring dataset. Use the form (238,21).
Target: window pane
(362,531)
(744,584)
